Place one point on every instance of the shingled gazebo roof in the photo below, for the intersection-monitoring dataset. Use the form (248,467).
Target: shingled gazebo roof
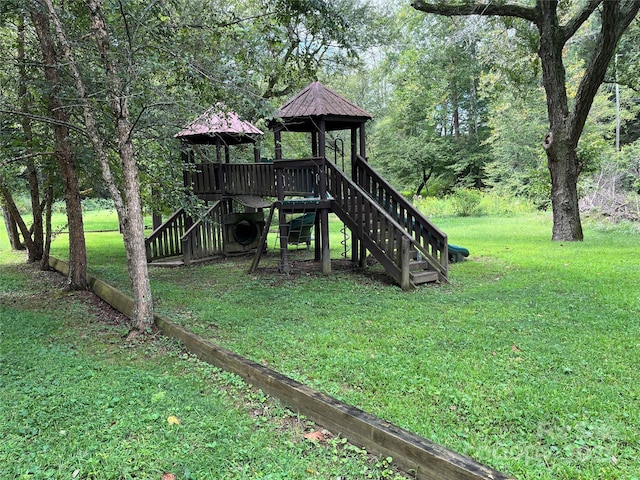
(218,125)
(315,102)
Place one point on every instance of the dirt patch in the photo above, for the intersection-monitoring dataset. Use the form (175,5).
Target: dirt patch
(372,273)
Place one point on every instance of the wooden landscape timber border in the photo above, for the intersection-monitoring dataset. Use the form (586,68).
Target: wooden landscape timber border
(416,456)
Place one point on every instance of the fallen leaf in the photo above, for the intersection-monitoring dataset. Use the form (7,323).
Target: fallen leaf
(173,420)
(316,436)
(515,348)
(168,476)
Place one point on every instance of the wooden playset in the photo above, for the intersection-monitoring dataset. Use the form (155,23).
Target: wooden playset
(243,198)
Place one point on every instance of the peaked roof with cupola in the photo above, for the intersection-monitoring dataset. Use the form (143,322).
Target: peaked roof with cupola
(317,102)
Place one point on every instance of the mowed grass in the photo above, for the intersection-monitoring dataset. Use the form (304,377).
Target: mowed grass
(528,361)
(79,402)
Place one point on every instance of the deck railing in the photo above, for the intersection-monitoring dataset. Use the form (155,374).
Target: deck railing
(427,238)
(204,239)
(298,177)
(165,241)
(294,177)
(248,179)
(209,179)
(204,178)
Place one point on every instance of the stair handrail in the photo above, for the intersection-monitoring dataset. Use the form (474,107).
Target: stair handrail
(428,239)
(199,241)
(164,241)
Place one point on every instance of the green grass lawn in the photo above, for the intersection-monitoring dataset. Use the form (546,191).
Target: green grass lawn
(79,402)
(528,361)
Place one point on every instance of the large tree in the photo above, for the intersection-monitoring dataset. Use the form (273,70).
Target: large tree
(566,119)
(61,121)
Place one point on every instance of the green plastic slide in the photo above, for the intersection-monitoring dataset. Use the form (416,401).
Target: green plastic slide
(457,253)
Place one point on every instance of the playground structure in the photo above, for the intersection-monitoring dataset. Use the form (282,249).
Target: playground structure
(303,192)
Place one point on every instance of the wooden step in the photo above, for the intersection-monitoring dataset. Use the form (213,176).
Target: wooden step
(425,276)
(418,265)
(170,262)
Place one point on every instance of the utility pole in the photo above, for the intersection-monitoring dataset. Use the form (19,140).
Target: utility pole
(617,105)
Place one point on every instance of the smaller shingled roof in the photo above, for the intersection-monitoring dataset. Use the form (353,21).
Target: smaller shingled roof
(317,100)
(217,121)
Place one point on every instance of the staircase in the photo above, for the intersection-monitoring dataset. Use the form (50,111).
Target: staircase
(410,248)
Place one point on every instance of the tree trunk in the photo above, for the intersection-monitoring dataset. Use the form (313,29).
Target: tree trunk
(564,168)
(15,217)
(456,109)
(12,228)
(425,179)
(131,219)
(77,278)
(128,204)
(44,263)
(37,235)
(562,158)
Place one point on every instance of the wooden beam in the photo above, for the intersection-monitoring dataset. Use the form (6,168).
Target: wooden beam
(405,251)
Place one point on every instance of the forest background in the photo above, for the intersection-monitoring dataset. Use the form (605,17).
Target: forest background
(92,94)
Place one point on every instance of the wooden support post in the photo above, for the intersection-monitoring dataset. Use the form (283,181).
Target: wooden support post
(362,262)
(277,135)
(405,251)
(317,244)
(354,154)
(314,144)
(284,243)
(218,145)
(324,213)
(187,251)
(326,252)
(282,222)
(356,256)
(156,220)
(156,217)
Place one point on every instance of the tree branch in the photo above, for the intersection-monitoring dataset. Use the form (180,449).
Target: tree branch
(26,156)
(576,22)
(628,12)
(42,119)
(615,19)
(451,9)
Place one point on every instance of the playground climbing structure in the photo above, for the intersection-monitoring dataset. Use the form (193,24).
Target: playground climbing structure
(305,191)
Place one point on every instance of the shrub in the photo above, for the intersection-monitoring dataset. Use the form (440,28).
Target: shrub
(466,202)
(97,204)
